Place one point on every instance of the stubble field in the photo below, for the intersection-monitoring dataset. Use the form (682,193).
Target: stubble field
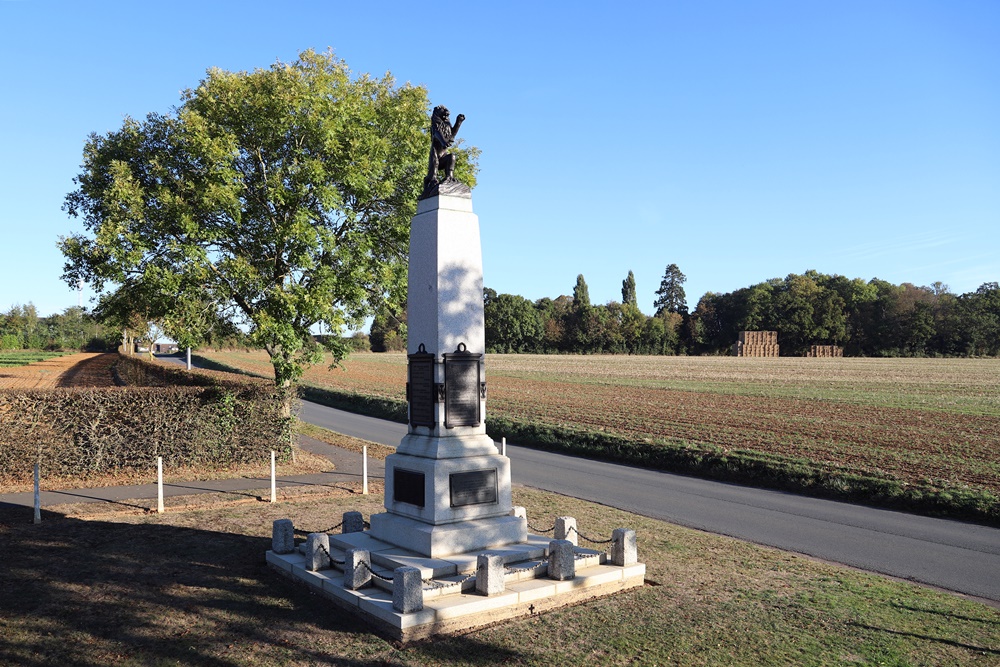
(921,421)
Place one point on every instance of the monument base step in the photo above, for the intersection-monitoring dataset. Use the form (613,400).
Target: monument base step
(440,541)
(451,604)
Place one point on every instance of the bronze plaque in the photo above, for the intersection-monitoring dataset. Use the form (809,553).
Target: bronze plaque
(477,487)
(408,487)
(420,390)
(462,390)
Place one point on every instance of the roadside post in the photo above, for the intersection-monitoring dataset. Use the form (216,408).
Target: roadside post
(159,484)
(38,495)
(274,488)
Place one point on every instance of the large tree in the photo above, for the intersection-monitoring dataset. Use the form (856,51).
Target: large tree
(628,290)
(670,298)
(274,200)
(512,324)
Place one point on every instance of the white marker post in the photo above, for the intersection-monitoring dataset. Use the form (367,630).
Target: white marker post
(159,484)
(503,446)
(189,358)
(274,487)
(38,494)
(364,469)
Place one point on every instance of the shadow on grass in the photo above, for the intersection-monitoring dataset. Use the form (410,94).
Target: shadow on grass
(921,610)
(78,592)
(941,640)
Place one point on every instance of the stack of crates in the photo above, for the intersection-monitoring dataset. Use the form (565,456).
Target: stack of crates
(756,344)
(825,351)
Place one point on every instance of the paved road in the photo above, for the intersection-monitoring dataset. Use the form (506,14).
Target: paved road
(956,556)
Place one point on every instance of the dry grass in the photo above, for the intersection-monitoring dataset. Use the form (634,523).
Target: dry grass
(190,587)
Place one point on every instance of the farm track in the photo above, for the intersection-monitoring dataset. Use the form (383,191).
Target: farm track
(903,419)
(82,370)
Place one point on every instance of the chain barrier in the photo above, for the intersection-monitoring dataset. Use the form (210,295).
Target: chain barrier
(539,530)
(588,539)
(508,568)
(328,530)
(376,574)
(332,559)
(444,584)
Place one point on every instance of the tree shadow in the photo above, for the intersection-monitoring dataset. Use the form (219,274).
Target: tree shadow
(941,640)
(96,366)
(921,610)
(80,592)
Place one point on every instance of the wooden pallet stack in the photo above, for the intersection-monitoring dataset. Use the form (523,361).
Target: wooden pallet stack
(825,351)
(756,344)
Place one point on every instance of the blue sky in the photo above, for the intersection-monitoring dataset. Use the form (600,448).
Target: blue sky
(740,140)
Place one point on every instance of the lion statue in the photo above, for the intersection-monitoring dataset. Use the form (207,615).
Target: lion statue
(442,137)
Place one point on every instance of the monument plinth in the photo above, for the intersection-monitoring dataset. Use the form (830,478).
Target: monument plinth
(447,489)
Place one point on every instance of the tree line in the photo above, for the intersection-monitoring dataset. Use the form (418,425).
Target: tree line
(873,318)
(21,328)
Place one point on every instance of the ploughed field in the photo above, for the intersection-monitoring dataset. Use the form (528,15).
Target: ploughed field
(917,420)
(85,369)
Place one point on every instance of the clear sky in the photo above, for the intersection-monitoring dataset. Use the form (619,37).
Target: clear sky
(740,140)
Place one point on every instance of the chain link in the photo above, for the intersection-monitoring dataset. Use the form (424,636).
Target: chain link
(375,574)
(528,568)
(445,584)
(332,559)
(588,539)
(539,530)
(328,530)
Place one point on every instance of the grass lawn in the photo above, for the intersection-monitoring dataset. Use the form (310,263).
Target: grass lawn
(93,587)
(15,358)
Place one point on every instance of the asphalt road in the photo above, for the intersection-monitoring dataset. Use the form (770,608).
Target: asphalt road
(956,556)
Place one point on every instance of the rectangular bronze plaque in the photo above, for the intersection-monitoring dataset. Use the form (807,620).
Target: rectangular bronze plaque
(477,487)
(408,487)
(420,389)
(461,384)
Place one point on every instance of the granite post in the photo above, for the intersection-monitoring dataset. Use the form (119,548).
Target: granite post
(282,536)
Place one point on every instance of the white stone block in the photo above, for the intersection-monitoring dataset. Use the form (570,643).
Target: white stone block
(490,574)
(562,560)
(282,536)
(317,551)
(566,529)
(353,522)
(623,547)
(407,590)
(357,568)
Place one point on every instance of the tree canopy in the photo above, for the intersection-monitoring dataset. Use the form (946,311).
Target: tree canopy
(271,201)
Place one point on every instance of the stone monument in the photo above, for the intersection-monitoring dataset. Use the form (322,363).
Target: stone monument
(447,489)
(450,553)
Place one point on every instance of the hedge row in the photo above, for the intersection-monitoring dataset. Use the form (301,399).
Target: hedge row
(742,467)
(140,372)
(93,432)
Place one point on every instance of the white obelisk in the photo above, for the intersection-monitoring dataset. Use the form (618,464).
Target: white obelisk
(447,489)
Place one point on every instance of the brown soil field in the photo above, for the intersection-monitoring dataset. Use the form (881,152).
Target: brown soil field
(86,369)
(917,420)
